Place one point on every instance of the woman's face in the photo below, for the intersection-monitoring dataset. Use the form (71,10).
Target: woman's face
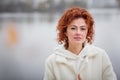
(77,31)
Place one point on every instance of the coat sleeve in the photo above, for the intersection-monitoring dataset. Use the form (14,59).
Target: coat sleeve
(49,75)
(107,69)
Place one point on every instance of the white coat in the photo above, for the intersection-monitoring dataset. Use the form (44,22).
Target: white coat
(92,64)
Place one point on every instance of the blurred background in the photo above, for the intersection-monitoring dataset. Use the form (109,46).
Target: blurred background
(28,33)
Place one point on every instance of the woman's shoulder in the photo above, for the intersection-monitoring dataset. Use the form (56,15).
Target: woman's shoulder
(95,50)
(51,57)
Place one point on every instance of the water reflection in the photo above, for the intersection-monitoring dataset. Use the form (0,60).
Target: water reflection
(36,39)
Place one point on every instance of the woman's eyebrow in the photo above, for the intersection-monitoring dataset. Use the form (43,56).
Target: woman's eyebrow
(72,25)
(82,26)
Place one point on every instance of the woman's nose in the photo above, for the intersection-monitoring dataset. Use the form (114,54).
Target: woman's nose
(78,32)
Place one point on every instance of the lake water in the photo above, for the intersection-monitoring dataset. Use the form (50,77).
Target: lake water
(34,39)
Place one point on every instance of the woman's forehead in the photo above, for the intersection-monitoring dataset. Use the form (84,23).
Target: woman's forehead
(78,22)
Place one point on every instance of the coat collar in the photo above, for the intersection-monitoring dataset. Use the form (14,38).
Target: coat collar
(87,52)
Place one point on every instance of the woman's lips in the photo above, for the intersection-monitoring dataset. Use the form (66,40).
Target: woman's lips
(77,38)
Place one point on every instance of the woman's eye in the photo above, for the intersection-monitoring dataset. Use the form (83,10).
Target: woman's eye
(72,28)
(83,28)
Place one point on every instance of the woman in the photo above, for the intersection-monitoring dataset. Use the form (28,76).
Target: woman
(76,58)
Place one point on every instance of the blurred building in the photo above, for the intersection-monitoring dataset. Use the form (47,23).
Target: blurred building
(52,5)
(102,3)
(16,5)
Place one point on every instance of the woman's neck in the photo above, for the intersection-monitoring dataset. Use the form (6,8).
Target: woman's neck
(76,49)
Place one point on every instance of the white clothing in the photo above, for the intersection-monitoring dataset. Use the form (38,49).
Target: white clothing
(92,64)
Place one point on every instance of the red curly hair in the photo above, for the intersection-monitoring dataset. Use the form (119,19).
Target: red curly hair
(70,15)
